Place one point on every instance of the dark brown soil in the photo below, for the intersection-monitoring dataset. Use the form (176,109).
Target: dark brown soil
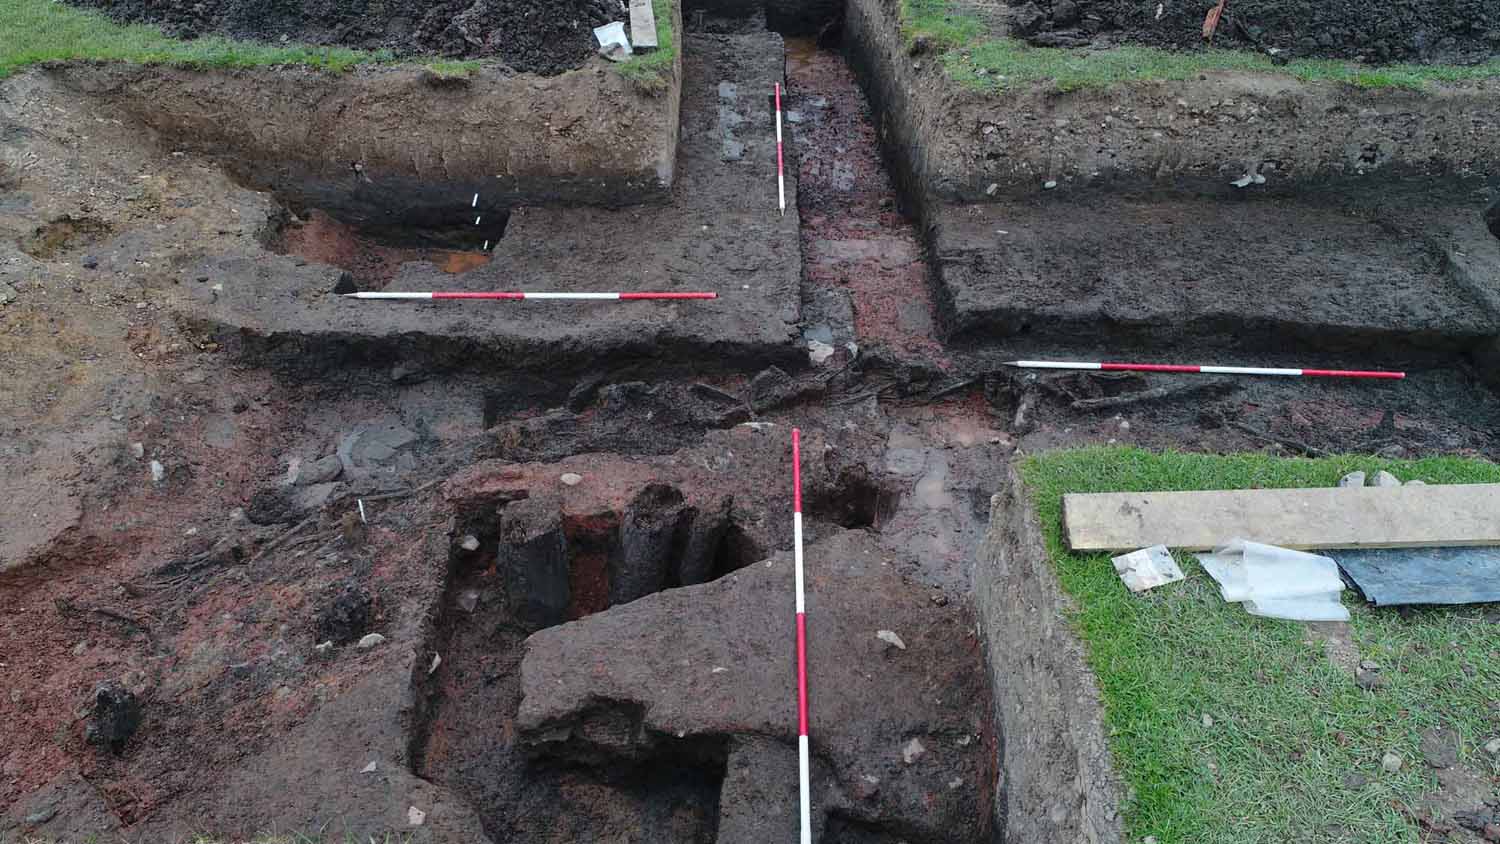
(532,36)
(1429,31)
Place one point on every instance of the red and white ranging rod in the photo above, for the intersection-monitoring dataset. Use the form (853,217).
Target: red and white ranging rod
(1206,370)
(608,297)
(802,748)
(780,167)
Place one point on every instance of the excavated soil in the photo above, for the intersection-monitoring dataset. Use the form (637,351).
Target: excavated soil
(1449,32)
(374,571)
(531,36)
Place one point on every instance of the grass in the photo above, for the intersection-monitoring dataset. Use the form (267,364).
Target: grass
(651,71)
(1287,725)
(33,31)
(972,59)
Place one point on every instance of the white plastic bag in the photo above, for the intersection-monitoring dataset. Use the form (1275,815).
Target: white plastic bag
(1147,568)
(1277,582)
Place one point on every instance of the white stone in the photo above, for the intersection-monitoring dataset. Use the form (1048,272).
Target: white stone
(1390,762)
(913,751)
(890,637)
(470,543)
(158,472)
(368,769)
(370,640)
(571,479)
(415,816)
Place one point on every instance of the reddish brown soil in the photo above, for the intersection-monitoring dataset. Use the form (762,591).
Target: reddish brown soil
(853,236)
(324,240)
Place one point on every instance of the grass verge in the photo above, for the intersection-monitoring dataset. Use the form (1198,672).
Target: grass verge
(972,59)
(33,31)
(651,71)
(1286,728)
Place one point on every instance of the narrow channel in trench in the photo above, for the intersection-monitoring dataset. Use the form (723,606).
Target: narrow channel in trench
(527,567)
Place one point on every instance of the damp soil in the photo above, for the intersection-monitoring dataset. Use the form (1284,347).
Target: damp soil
(531,36)
(159,582)
(1449,32)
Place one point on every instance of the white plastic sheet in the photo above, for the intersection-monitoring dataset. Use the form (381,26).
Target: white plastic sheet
(1277,582)
(1147,568)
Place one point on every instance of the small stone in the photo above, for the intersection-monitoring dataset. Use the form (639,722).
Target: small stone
(993,189)
(1440,747)
(1353,479)
(116,716)
(370,640)
(141,306)
(1369,665)
(1390,762)
(1208,720)
(415,816)
(939,600)
(89,262)
(319,471)
(571,479)
(913,751)
(1150,839)
(80,648)
(1492,747)
(1050,184)
(138,450)
(368,769)
(470,543)
(890,637)
(468,600)
(158,472)
(8,294)
(42,816)
(323,649)
(437,659)
(1386,479)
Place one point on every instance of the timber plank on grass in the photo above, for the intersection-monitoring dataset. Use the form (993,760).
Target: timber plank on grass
(1306,519)
(642,25)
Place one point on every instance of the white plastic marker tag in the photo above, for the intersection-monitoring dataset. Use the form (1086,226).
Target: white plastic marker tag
(1147,568)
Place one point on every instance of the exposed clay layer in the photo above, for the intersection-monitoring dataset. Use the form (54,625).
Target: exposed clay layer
(961,141)
(1060,784)
(424,144)
(721,232)
(1392,281)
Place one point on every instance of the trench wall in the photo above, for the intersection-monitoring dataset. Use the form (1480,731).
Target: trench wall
(958,141)
(1059,785)
(423,143)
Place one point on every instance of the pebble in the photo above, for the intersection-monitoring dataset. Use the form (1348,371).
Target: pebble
(913,751)
(370,640)
(470,543)
(1353,479)
(138,450)
(1049,185)
(323,649)
(80,648)
(415,816)
(1492,747)
(468,600)
(8,294)
(1386,479)
(993,189)
(571,479)
(437,659)
(1390,762)
(890,637)
(141,306)
(368,769)
(158,472)
(1208,720)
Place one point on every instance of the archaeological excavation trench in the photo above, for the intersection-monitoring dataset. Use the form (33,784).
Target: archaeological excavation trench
(521,572)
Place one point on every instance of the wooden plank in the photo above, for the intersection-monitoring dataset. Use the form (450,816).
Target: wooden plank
(642,25)
(1307,519)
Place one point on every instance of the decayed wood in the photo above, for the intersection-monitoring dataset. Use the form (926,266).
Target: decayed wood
(1362,517)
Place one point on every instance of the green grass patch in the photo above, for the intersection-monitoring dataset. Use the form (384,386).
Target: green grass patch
(973,59)
(1288,726)
(33,31)
(652,71)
